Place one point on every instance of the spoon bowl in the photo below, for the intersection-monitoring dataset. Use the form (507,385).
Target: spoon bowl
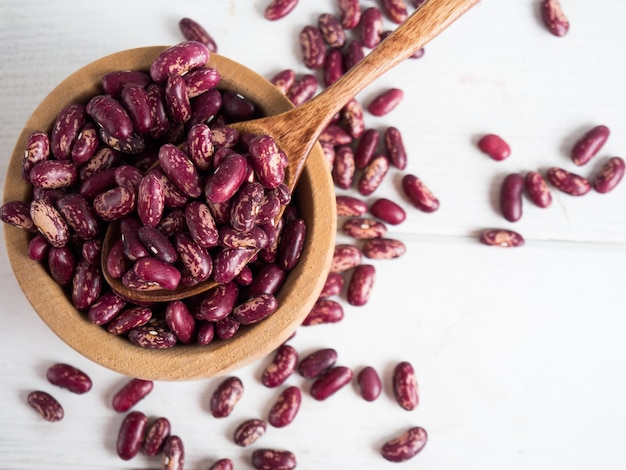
(314,192)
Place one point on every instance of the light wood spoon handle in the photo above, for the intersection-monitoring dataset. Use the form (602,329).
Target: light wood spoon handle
(298,130)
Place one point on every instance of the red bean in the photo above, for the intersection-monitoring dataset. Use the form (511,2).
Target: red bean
(286,406)
(360,285)
(394,145)
(383,248)
(589,144)
(130,394)
(316,363)
(405,446)
(156,435)
(494,146)
(371,26)
(193,31)
(388,211)
(69,377)
(511,197)
(278,9)
(330,382)
(553,17)
(324,311)
(369,383)
(538,190)
(609,176)
(419,195)
(273,459)
(385,102)
(501,237)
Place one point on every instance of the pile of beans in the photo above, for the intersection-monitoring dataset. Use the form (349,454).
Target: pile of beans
(193,202)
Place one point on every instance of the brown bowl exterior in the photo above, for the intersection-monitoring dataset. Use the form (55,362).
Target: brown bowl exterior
(316,197)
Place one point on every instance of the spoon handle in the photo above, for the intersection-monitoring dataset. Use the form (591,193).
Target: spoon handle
(423,25)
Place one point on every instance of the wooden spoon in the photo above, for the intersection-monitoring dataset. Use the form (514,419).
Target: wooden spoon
(297,130)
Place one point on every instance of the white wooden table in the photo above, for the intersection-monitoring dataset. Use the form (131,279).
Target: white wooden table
(519,353)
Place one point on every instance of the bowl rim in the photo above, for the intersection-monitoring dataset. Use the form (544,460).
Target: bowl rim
(183,362)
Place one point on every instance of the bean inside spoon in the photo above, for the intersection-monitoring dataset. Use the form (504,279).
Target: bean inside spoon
(297,130)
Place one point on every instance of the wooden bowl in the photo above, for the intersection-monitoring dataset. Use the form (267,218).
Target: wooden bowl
(316,198)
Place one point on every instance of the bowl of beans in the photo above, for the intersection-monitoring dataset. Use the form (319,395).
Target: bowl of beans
(78,168)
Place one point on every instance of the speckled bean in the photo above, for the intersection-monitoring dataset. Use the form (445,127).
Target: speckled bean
(179,59)
(268,160)
(404,385)
(282,366)
(87,282)
(173,455)
(79,215)
(110,115)
(229,262)
(333,285)
(324,311)
(285,408)
(344,167)
(53,174)
(332,31)
(588,146)
(345,257)
(255,309)
(353,53)
(227,178)
(46,405)
(193,31)
(180,170)
(130,394)
(217,303)
(105,308)
(383,248)
(349,206)
(69,377)
(353,120)
(312,46)
(226,396)
(128,319)
(37,149)
(373,175)
(273,459)
(156,434)
(501,237)
(419,195)
(360,284)
(316,363)
(283,80)
(135,100)
(152,337)
(554,18)
(330,382)
(177,99)
(65,129)
(371,26)
(405,446)
(350,13)
(248,432)
(49,222)
(394,144)
(609,176)
(278,9)
(569,183)
(395,10)
(537,189)
(17,213)
(115,203)
(363,228)
(302,89)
